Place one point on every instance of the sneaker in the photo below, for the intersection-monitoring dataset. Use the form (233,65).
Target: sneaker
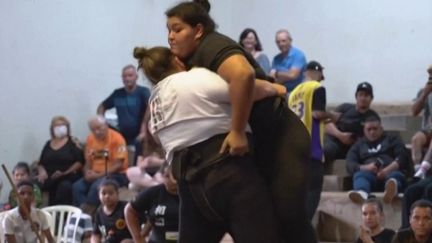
(390,191)
(358,196)
(420,174)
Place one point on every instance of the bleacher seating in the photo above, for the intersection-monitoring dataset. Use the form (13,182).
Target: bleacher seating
(337,218)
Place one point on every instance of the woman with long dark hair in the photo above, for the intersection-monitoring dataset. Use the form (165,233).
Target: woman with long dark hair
(281,142)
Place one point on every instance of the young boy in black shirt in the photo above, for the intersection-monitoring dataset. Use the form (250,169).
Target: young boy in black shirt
(110,225)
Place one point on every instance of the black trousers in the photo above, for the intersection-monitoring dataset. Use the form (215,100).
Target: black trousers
(315,183)
(422,189)
(60,190)
(282,149)
(232,197)
(334,149)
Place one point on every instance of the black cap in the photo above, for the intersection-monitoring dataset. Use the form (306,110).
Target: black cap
(365,86)
(315,66)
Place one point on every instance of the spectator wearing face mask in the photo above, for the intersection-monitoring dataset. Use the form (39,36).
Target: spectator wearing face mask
(60,163)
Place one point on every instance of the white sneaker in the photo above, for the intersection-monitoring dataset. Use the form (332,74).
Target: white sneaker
(420,174)
(358,196)
(390,191)
(424,167)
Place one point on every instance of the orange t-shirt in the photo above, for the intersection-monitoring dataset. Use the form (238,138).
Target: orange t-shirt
(115,146)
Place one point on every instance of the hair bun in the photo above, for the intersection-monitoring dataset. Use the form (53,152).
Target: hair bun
(204,4)
(140,52)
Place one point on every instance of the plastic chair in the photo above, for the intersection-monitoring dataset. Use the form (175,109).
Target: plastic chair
(61,217)
(50,221)
(2,237)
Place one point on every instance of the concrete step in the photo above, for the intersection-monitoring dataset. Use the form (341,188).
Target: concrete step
(403,125)
(401,122)
(336,183)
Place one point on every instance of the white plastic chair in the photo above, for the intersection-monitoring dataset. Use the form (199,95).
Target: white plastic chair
(2,216)
(50,221)
(61,216)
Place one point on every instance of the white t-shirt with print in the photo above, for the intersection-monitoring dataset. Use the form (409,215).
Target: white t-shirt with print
(189,107)
(14,224)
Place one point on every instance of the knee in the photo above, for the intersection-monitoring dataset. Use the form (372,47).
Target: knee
(77,186)
(413,191)
(361,174)
(65,185)
(428,192)
(419,139)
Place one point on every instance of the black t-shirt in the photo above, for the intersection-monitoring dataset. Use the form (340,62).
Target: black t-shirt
(162,209)
(319,99)
(62,158)
(407,236)
(215,48)
(385,236)
(352,120)
(112,228)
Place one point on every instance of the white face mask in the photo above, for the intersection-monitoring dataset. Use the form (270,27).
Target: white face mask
(60,131)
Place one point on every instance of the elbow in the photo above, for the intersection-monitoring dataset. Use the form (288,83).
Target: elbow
(100,109)
(128,211)
(246,73)
(413,111)
(249,75)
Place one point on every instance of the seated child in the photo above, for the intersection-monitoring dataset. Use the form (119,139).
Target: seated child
(21,172)
(109,223)
(161,204)
(16,224)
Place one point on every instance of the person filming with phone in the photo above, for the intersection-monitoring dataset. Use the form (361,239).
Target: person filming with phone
(376,162)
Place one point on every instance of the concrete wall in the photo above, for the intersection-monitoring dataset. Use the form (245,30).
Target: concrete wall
(64,57)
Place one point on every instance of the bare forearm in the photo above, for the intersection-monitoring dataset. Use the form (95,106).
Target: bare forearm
(331,129)
(286,76)
(116,167)
(87,166)
(48,236)
(241,78)
(41,169)
(322,115)
(392,166)
(132,222)
(144,124)
(241,103)
(74,168)
(418,104)
(263,89)
(100,110)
